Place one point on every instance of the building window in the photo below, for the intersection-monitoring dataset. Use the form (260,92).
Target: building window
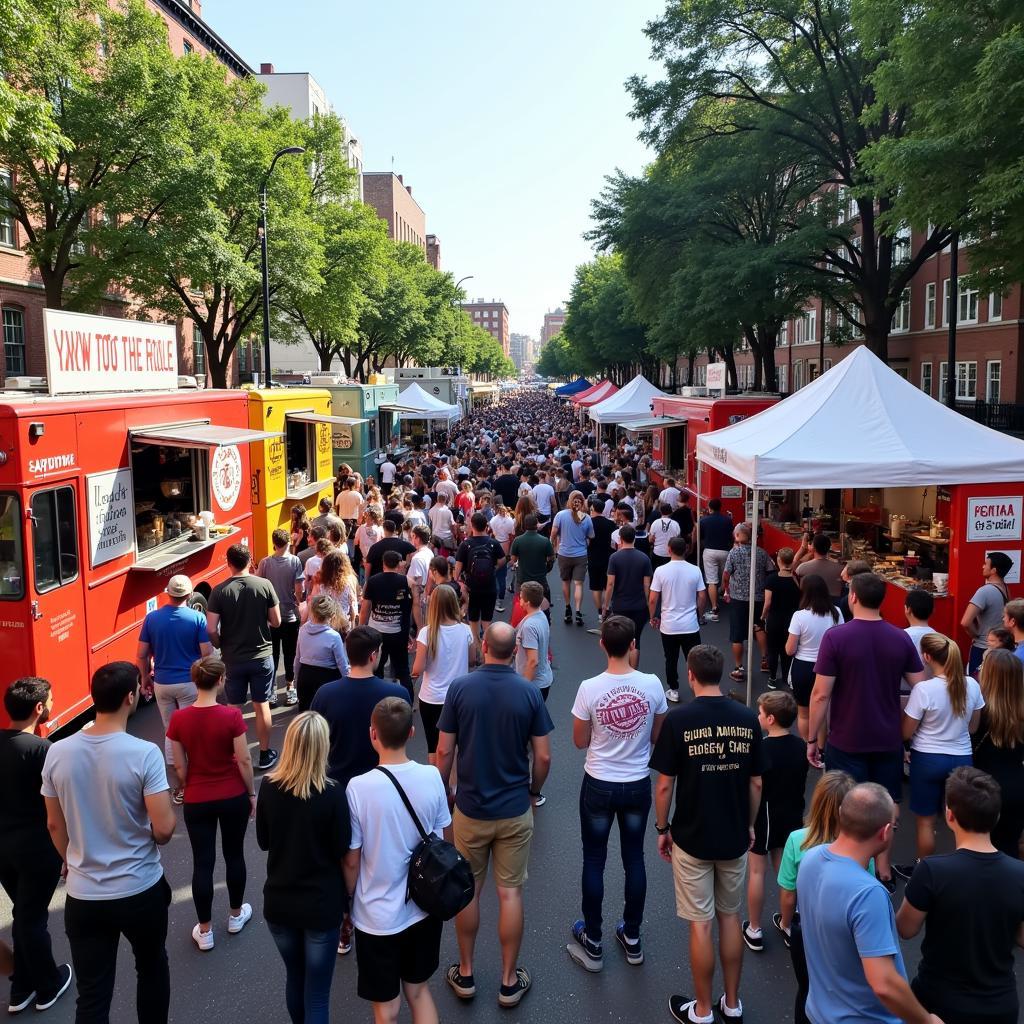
(14,341)
(967,304)
(243,356)
(798,375)
(6,219)
(807,328)
(966,381)
(901,245)
(995,306)
(187,48)
(926,378)
(198,353)
(929,305)
(780,377)
(901,318)
(993,375)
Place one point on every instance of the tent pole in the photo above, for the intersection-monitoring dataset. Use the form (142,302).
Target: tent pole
(752,595)
(696,525)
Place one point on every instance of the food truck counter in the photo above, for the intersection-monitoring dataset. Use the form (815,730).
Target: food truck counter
(168,554)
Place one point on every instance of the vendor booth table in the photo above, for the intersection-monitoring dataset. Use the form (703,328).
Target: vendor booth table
(862,434)
(418,412)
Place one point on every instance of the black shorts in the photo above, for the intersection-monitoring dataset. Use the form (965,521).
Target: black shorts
(801,679)
(771,832)
(385,961)
(639,620)
(481,606)
(430,714)
(739,619)
(598,575)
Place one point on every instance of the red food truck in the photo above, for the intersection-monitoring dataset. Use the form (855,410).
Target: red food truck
(111,483)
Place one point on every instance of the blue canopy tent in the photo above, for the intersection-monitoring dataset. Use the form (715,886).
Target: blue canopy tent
(573,388)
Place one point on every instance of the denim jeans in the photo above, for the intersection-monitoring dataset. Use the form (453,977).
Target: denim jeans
(309,958)
(502,581)
(601,803)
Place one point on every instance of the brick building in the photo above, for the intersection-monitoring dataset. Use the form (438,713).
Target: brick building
(553,323)
(520,349)
(434,251)
(388,194)
(21,294)
(493,317)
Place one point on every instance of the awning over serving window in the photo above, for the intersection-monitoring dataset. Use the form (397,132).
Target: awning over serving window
(652,423)
(201,435)
(394,407)
(319,417)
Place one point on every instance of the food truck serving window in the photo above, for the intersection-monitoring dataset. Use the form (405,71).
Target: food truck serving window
(12,561)
(54,543)
(171,486)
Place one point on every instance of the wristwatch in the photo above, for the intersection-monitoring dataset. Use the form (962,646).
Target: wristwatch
(662,830)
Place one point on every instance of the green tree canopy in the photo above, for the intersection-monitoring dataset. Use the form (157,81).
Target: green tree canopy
(555,358)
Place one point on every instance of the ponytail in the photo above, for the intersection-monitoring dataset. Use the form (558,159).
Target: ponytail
(943,651)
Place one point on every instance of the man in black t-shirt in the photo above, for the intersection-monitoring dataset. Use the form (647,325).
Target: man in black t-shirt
(599,550)
(629,586)
(971,905)
(712,748)
(477,562)
(387,607)
(506,483)
(389,542)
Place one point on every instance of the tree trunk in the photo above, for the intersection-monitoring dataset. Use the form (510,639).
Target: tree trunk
(768,338)
(217,363)
(877,324)
(689,370)
(53,287)
(750,333)
(730,367)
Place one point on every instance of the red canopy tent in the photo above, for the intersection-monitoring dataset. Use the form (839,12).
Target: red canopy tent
(598,393)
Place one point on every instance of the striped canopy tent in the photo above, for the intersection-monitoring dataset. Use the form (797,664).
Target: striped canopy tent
(598,393)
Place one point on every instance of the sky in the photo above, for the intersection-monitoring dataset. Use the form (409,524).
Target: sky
(504,117)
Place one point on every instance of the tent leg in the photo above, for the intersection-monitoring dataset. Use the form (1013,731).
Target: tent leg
(753,582)
(696,525)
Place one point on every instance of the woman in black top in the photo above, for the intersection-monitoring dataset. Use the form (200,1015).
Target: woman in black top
(781,599)
(302,821)
(999,742)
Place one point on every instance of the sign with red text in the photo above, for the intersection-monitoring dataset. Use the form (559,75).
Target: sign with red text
(86,353)
(716,378)
(994,518)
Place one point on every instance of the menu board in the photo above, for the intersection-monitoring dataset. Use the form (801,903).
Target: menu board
(110,504)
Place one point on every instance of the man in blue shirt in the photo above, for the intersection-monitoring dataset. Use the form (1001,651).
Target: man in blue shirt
(715,531)
(172,638)
(849,929)
(496,719)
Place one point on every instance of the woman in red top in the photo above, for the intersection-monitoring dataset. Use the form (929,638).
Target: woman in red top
(211,748)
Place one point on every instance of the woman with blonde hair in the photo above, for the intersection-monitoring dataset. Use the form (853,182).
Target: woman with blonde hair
(444,651)
(999,742)
(211,752)
(939,718)
(338,579)
(571,531)
(319,650)
(822,827)
(302,821)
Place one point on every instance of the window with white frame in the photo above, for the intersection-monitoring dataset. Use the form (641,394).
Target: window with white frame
(967,304)
(784,334)
(943,374)
(901,244)
(780,377)
(926,378)
(798,375)
(993,374)
(901,316)
(14,340)
(995,306)
(198,353)
(6,219)
(929,304)
(966,381)
(807,327)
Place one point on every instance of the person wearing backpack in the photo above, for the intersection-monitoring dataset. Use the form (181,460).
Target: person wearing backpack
(397,942)
(477,563)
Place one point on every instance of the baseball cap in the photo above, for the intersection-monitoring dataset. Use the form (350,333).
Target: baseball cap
(178,586)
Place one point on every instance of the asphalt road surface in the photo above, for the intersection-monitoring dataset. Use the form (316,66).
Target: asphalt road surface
(241,981)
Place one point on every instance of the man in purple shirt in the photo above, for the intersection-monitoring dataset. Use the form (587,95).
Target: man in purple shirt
(860,667)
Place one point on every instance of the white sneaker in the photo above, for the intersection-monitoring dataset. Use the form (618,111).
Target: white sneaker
(204,940)
(236,924)
(672,695)
(291,696)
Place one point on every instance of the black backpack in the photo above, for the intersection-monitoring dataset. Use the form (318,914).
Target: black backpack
(482,566)
(440,879)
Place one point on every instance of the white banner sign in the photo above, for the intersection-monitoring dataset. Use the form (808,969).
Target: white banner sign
(86,353)
(110,502)
(994,518)
(716,377)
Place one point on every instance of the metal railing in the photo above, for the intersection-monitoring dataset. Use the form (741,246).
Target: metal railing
(1005,416)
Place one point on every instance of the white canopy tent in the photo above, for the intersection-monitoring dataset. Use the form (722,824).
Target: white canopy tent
(633,402)
(858,425)
(418,405)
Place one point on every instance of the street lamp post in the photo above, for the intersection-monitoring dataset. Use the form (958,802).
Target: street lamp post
(287,151)
(458,329)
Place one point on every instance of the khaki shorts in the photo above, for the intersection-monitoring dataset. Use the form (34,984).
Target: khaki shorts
(714,564)
(505,840)
(572,567)
(707,887)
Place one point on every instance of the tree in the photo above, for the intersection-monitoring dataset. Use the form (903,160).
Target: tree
(602,327)
(93,109)
(356,254)
(960,67)
(555,358)
(804,62)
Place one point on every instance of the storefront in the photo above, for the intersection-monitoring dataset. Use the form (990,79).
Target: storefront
(372,430)
(482,395)
(109,485)
(294,466)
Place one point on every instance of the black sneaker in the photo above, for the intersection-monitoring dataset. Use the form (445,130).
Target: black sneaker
(889,883)
(273,703)
(728,1018)
(579,619)
(512,995)
(755,943)
(680,1006)
(268,758)
(777,921)
(633,947)
(586,953)
(462,985)
(20,1001)
(65,983)
(568,615)
(904,871)
(773,683)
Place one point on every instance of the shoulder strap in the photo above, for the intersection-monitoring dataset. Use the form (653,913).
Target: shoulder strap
(405,800)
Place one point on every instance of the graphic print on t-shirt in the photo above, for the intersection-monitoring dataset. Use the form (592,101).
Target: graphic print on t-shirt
(714,746)
(623,710)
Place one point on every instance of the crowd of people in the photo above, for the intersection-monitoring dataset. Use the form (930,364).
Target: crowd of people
(406,573)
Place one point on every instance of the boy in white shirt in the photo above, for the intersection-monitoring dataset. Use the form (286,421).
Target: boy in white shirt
(397,944)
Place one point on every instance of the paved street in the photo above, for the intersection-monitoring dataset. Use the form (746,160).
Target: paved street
(242,979)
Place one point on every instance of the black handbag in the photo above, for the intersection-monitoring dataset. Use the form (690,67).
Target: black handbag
(440,879)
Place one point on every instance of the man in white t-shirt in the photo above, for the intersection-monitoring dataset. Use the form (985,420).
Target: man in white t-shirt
(670,494)
(544,498)
(683,597)
(660,532)
(387,475)
(442,522)
(397,944)
(445,485)
(616,718)
(419,572)
(577,467)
